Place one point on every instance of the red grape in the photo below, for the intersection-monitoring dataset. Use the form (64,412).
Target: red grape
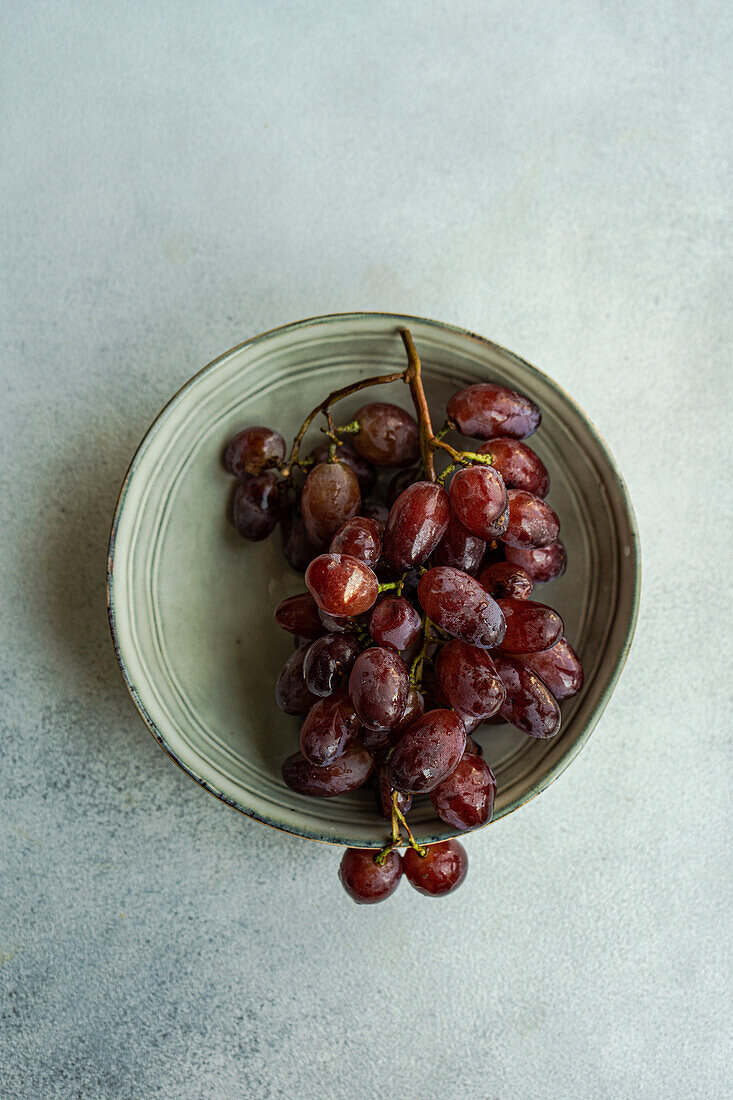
(330,495)
(360,537)
(329,727)
(439,872)
(459,548)
(418,519)
(559,667)
(400,481)
(291,693)
(532,521)
(543,564)
(298,549)
(299,615)
(461,606)
(499,526)
(394,622)
(427,752)
(345,774)
(329,662)
(372,509)
(388,435)
(341,585)
(374,740)
(471,724)
(335,624)
(529,704)
(258,505)
(487,410)
(378,685)
(465,799)
(472,748)
(366,475)
(518,464)
(530,627)
(469,680)
(253,450)
(383,793)
(478,498)
(365,881)
(414,708)
(504,579)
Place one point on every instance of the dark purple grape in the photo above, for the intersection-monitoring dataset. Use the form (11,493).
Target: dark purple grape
(427,752)
(530,627)
(345,774)
(374,740)
(418,519)
(532,522)
(438,873)
(518,465)
(498,527)
(471,724)
(341,585)
(465,799)
(478,499)
(400,481)
(330,496)
(298,550)
(360,537)
(378,686)
(366,475)
(335,624)
(365,881)
(543,564)
(329,662)
(291,692)
(473,748)
(388,435)
(253,450)
(469,680)
(459,548)
(529,703)
(504,579)
(488,410)
(372,509)
(383,793)
(559,667)
(461,606)
(299,615)
(414,709)
(258,505)
(394,622)
(329,728)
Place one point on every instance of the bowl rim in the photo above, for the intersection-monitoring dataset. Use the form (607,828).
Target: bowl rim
(403,320)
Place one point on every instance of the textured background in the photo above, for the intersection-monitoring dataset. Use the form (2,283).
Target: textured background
(180,176)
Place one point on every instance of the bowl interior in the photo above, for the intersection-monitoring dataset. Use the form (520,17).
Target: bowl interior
(191,602)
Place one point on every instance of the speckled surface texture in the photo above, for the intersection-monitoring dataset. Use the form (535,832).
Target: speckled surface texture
(181,176)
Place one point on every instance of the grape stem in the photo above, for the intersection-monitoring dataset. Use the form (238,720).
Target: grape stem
(413,377)
(398,818)
(325,406)
(417,665)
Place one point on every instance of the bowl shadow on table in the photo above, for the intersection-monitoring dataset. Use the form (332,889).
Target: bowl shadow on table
(68,605)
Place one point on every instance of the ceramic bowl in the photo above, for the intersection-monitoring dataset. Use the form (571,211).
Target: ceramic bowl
(190,602)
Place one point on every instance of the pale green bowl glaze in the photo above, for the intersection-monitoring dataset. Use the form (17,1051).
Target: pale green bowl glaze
(190,603)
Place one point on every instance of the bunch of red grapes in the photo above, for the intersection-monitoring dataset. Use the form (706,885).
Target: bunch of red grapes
(417,623)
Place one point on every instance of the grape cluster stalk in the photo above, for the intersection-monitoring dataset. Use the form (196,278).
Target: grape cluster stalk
(416,626)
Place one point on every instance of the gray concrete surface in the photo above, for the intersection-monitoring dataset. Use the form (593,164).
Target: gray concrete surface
(180,176)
